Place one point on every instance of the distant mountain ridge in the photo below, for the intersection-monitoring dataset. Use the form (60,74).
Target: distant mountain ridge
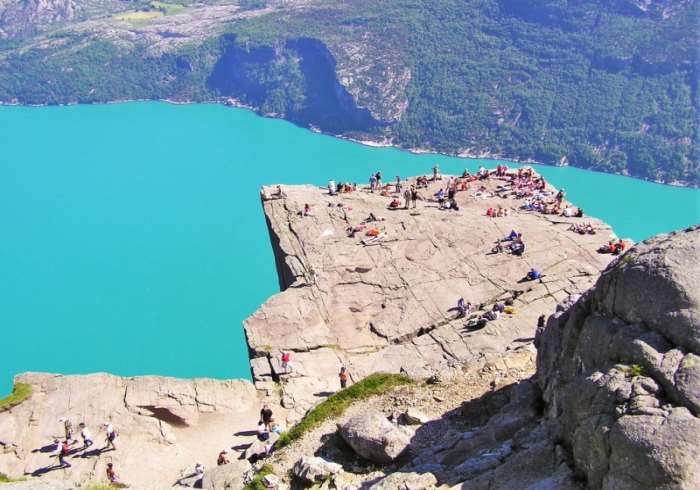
(606,85)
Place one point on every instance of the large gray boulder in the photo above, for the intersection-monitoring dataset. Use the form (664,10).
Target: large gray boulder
(230,476)
(373,437)
(314,469)
(619,370)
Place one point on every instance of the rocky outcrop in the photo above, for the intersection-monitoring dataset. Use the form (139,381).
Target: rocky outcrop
(619,369)
(373,437)
(314,469)
(165,426)
(390,305)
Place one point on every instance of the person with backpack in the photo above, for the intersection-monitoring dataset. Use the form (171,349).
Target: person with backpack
(343,375)
(62,452)
(286,361)
(266,416)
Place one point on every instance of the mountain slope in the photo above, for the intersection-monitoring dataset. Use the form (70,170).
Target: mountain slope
(610,86)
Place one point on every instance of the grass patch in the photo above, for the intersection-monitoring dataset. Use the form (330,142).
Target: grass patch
(139,16)
(335,405)
(6,479)
(20,392)
(257,482)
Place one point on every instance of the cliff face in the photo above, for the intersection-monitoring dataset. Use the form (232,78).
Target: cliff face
(391,305)
(620,369)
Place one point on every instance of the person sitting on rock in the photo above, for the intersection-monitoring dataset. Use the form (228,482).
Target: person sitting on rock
(517,248)
(463,308)
(262,431)
(307,210)
(440,196)
(394,204)
(511,236)
(198,475)
(223,458)
(276,428)
(533,275)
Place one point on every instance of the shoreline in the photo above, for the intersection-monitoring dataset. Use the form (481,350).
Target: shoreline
(462,154)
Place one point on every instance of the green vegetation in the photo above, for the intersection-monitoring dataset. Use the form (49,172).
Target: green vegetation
(257,482)
(598,85)
(335,405)
(636,370)
(137,16)
(20,392)
(6,479)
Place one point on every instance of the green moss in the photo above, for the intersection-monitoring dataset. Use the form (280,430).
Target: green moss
(336,404)
(6,479)
(257,482)
(20,392)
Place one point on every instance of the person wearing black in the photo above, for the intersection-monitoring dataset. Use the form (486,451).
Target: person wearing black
(266,416)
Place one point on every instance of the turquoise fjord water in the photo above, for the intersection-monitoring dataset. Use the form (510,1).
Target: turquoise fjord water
(132,239)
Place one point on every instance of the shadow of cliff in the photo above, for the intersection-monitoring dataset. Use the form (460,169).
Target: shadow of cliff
(296,79)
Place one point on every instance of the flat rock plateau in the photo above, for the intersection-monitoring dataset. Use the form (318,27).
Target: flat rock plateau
(391,304)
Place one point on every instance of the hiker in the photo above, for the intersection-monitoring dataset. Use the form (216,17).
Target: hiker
(436,172)
(560,197)
(266,415)
(533,275)
(262,431)
(463,308)
(286,361)
(517,248)
(407,196)
(394,204)
(86,435)
(199,475)
(332,188)
(62,452)
(398,184)
(223,458)
(378,176)
(440,196)
(111,436)
(307,210)
(343,376)
(414,196)
(111,474)
(372,182)
(67,427)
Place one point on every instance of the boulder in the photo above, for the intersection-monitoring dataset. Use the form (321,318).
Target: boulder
(314,469)
(406,481)
(619,371)
(373,437)
(230,476)
(413,416)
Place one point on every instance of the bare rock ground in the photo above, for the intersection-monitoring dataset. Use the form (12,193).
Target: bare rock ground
(390,305)
(165,426)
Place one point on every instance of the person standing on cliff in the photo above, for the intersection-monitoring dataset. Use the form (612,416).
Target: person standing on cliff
(86,435)
(398,184)
(266,416)
(111,436)
(407,196)
(286,361)
(378,176)
(343,375)
(414,196)
(62,452)
(67,427)
(372,182)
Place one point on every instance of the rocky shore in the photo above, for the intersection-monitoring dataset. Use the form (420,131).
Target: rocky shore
(615,393)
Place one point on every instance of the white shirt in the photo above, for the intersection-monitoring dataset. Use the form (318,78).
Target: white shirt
(86,434)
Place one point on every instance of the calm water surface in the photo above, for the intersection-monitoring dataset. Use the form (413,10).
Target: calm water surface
(132,239)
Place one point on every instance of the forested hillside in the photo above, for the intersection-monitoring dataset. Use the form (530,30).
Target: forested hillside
(610,85)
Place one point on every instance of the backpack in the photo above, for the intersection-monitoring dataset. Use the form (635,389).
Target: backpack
(65,448)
